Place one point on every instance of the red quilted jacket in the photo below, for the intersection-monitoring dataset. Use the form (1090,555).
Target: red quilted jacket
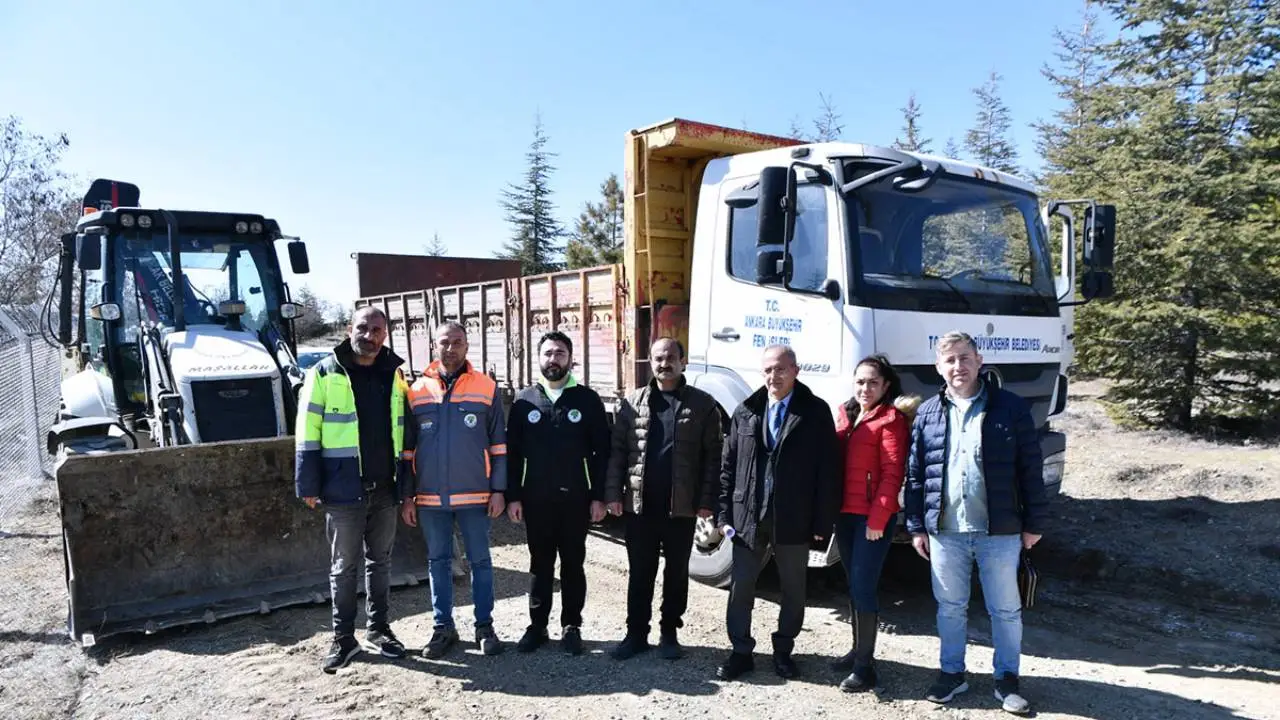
(875,460)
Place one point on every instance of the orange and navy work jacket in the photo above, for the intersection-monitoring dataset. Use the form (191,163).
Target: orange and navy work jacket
(460,454)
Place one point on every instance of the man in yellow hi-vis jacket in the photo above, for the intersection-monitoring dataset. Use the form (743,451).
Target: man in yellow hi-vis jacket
(351,445)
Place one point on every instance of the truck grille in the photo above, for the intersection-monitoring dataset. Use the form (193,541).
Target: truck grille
(234,409)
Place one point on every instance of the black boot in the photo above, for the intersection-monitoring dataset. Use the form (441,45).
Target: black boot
(863,676)
(844,663)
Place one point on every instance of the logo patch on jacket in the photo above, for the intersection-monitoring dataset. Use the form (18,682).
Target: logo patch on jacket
(428,424)
(534,416)
(575,415)
(469,420)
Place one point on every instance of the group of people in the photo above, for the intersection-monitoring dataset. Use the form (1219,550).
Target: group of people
(783,476)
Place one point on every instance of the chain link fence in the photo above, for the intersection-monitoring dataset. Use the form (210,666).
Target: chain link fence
(30,374)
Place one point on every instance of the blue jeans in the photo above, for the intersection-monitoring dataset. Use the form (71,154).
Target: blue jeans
(951,562)
(437,529)
(862,559)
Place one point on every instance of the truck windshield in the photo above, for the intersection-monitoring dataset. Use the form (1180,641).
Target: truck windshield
(961,245)
(215,268)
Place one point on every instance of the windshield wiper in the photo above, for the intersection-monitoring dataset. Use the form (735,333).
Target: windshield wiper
(967,305)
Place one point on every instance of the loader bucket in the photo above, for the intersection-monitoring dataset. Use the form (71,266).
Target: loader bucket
(170,536)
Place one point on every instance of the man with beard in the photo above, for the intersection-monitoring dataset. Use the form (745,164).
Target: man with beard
(664,471)
(351,442)
(459,476)
(557,450)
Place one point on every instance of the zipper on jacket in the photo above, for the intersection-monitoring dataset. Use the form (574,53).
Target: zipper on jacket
(868,486)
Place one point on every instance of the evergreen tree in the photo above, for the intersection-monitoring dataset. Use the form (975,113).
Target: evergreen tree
(988,140)
(1179,128)
(952,150)
(531,212)
(436,247)
(597,237)
(911,141)
(827,126)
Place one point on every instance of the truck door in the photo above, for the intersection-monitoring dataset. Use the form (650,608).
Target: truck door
(746,316)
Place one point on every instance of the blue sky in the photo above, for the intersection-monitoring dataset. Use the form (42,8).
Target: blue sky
(370,130)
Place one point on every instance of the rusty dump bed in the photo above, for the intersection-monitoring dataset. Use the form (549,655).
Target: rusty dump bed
(163,537)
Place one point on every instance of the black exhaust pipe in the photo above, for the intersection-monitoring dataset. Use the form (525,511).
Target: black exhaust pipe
(175,265)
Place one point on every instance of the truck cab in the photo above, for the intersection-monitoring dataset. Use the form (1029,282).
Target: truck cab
(738,241)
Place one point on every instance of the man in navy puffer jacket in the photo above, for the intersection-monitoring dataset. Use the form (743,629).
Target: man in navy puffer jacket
(975,492)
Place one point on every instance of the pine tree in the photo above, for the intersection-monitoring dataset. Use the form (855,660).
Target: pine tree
(795,131)
(952,150)
(911,140)
(436,247)
(1180,129)
(988,140)
(531,212)
(827,126)
(597,237)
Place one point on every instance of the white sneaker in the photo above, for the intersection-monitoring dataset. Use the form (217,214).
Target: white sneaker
(1011,701)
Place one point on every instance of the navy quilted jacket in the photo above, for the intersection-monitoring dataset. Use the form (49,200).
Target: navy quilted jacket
(1012,466)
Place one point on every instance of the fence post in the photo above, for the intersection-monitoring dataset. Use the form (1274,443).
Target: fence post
(31,424)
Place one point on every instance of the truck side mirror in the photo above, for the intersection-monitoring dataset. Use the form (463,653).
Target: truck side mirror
(771,267)
(298,257)
(1099,251)
(1100,236)
(773,212)
(89,251)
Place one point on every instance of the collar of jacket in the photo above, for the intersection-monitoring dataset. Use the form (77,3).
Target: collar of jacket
(386,361)
(570,382)
(759,399)
(678,392)
(436,370)
(982,390)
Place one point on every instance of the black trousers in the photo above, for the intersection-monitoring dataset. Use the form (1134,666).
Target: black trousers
(557,528)
(793,565)
(648,538)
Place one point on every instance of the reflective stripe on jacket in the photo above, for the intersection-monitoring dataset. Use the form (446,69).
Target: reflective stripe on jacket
(327,432)
(461,440)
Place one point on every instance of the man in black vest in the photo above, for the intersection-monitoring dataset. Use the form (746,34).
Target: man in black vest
(780,487)
(557,451)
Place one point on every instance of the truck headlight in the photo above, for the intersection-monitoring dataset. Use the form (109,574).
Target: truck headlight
(1053,471)
(144,221)
(242,227)
(255,227)
(126,220)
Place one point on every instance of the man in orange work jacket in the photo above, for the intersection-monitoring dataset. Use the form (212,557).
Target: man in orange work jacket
(459,475)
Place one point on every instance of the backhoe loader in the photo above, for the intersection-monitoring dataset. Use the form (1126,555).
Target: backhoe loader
(173,450)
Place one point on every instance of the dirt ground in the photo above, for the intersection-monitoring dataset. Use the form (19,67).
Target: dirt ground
(1160,602)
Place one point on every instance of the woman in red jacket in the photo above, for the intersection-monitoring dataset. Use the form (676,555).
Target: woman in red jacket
(874,432)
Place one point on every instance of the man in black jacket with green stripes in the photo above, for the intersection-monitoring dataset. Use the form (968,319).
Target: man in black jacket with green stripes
(558,451)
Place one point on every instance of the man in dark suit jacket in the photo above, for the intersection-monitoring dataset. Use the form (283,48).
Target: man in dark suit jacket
(779,488)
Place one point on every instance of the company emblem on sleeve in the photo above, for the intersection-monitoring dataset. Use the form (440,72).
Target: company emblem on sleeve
(469,420)
(428,424)
(534,416)
(575,415)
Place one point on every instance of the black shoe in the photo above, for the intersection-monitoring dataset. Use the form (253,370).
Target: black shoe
(1011,701)
(633,644)
(859,680)
(669,646)
(441,640)
(947,686)
(786,667)
(488,641)
(533,638)
(736,666)
(571,641)
(384,641)
(340,654)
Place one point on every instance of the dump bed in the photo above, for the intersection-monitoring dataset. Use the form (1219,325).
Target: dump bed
(505,318)
(664,165)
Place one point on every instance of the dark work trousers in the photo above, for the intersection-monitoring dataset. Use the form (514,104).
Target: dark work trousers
(793,565)
(557,528)
(648,537)
(365,529)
